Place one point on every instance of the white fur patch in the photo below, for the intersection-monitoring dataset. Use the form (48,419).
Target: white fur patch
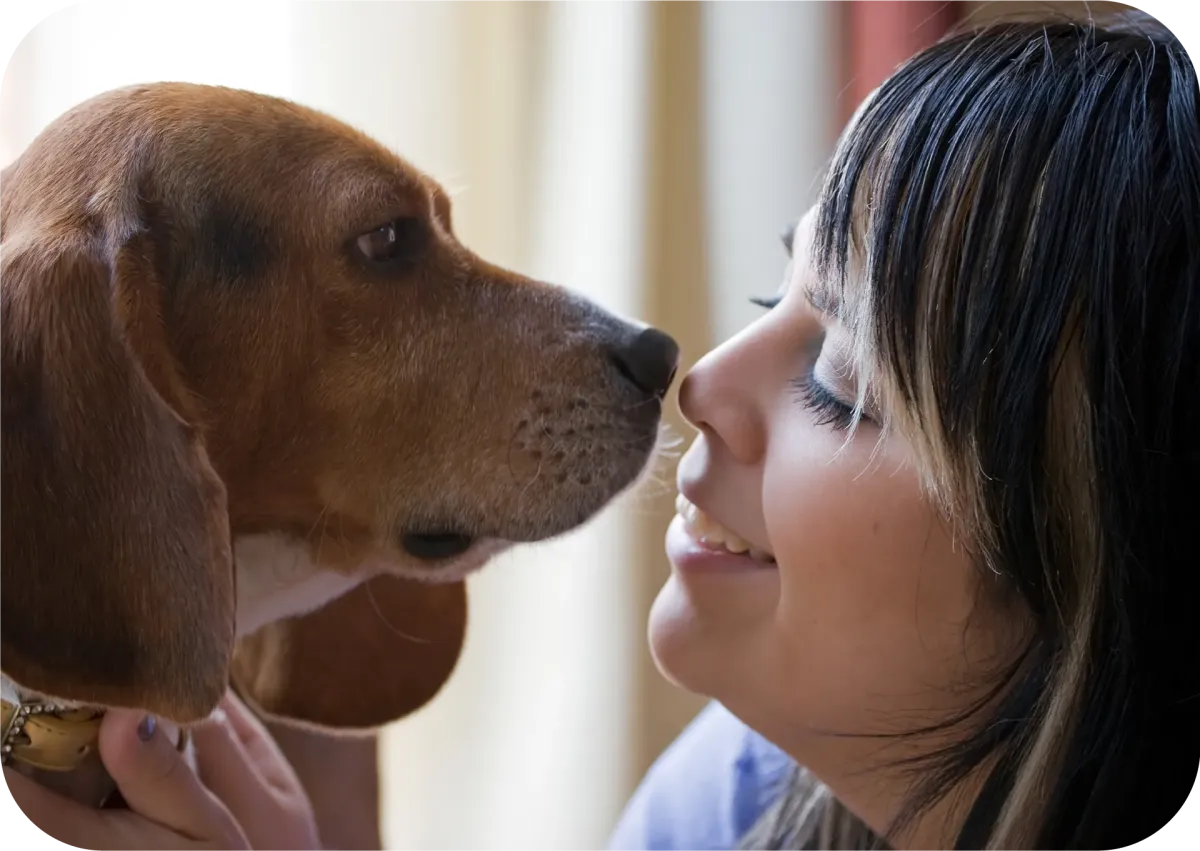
(277,578)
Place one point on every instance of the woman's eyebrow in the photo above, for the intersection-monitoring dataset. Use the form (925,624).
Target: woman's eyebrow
(823,299)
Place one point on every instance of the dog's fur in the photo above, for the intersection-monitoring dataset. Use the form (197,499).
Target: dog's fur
(220,420)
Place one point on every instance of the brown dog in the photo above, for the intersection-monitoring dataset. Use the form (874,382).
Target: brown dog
(262,413)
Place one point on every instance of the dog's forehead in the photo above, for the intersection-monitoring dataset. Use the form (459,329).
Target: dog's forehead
(269,128)
(342,165)
(220,160)
(207,132)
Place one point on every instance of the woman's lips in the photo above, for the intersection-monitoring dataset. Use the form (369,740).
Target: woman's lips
(709,533)
(695,540)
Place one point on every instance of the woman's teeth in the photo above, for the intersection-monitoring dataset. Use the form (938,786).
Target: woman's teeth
(712,534)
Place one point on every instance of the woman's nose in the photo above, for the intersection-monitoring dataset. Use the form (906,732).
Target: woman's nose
(718,397)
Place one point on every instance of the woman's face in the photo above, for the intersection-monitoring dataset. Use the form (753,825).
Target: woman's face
(868,620)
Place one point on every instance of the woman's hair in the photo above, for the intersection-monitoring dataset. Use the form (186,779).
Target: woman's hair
(1012,225)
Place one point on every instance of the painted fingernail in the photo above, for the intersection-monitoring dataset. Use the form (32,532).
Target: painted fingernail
(146,729)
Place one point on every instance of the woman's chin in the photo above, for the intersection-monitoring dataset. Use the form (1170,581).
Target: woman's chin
(701,636)
(672,633)
(689,647)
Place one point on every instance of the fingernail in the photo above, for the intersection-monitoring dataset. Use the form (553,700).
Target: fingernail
(146,729)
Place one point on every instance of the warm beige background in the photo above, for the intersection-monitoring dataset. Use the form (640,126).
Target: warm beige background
(647,155)
(738,106)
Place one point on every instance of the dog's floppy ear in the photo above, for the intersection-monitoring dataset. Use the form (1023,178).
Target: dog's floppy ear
(372,656)
(116,577)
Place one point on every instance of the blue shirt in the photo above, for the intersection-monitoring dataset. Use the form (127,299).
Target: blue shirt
(706,790)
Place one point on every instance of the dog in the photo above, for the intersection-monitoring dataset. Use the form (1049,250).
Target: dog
(263,413)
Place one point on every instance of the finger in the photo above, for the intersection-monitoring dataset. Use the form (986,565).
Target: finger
(157,783)
(228,766)
(64,822)
(70,826)
(259,744)
(241,718)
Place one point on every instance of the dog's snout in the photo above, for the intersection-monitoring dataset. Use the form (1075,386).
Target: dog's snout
(648,358)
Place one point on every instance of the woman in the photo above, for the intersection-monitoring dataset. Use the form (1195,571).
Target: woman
(932,541)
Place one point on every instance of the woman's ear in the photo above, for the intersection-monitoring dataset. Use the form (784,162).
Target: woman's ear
(370,657)
(117,574)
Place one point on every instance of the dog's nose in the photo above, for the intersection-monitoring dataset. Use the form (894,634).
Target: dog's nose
(648,358)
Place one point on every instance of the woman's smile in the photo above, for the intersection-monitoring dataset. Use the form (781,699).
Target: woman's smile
(697,542)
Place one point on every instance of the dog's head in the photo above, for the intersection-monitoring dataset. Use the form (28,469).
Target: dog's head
(249,369)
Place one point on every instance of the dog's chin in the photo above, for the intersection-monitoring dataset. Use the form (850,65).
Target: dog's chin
(447,552)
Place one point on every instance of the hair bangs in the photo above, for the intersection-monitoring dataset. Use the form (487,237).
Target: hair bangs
(931,230)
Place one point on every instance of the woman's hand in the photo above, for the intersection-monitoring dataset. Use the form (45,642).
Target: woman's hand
(240,763)
(246,796)
(168,805)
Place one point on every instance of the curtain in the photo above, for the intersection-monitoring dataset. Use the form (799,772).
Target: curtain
(647,155)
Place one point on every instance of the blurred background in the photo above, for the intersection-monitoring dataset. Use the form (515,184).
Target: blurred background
(648,155)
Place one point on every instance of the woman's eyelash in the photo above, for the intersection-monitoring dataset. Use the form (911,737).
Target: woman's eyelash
(828,409)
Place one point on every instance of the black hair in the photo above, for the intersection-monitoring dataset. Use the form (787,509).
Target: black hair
(1024,203)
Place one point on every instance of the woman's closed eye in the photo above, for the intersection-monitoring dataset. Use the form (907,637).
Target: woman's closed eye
(822,402)
(828,409)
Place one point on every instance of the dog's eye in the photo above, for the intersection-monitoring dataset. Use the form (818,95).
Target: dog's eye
(397,240)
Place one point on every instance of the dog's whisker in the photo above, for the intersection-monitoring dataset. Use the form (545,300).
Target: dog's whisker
(322,521)
(391,627)
(536,475)
(509,454)
(651,492)
(634,406)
